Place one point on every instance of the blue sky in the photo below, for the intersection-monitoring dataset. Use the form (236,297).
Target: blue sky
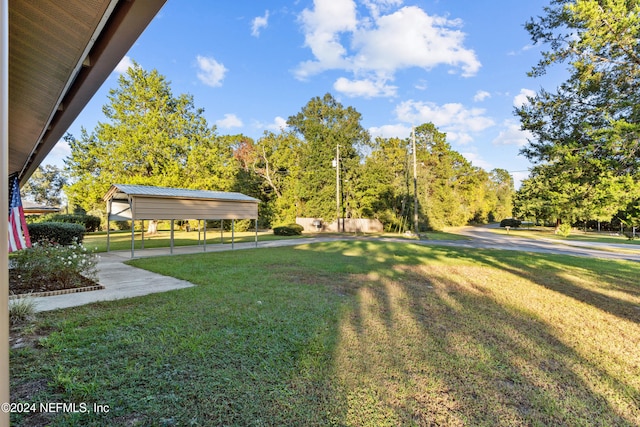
(251,64)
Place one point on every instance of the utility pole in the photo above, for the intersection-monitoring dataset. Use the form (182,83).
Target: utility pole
(337,166)
(415,182)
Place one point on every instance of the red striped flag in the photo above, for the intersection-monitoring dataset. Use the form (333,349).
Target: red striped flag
(18,231)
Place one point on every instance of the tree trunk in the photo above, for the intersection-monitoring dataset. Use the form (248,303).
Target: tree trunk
(153,227)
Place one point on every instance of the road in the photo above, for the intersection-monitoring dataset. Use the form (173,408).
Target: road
(487,237)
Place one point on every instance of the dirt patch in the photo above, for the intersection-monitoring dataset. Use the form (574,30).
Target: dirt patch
(19,286)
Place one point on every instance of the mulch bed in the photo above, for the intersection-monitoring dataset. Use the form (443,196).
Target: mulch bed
(19,286)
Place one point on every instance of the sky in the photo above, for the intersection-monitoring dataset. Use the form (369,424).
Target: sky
(459,64)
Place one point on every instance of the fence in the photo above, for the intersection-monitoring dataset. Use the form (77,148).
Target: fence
(351,225)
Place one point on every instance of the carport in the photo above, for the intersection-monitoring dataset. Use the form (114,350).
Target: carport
(141,202)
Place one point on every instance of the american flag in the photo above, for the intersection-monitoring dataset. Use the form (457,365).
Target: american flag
(18,232)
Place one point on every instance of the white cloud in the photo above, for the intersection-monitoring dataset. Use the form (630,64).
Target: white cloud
(454,119)
(520,99)
(512,135)
(124,64)
(481,95)
(322,27)
(477,160)
(364,88)
(229,121)
(259,23)
(410,37)
(377,6)
(279,124)
(373,48)
(390,131)
(211,71)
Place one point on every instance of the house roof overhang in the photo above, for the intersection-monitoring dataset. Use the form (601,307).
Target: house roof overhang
(60,53)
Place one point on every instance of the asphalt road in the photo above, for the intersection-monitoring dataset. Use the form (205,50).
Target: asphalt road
(487,237)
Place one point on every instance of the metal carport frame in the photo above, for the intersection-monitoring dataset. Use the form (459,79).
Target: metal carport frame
(140,202)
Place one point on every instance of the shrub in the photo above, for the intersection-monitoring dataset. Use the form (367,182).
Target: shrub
(564,230)
(21,310)
(58,232)
(288,230)
(51,262)
(510,222)
(242,225)
(90,222)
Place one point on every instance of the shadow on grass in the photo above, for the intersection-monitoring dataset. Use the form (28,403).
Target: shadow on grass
(429,344)
(551,273)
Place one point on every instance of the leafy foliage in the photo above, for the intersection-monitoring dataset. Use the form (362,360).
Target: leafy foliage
(150,137)
(52,262)
(288,230)
(587,133)
(325,124)
(61,233)
(90,222)
(45,185)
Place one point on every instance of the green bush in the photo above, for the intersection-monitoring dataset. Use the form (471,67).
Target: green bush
(61,233)
(510,222)
(288,230)
(242,225)
(90,222)
(564,229)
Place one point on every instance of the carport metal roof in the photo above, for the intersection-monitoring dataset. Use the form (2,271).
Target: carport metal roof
(122,191)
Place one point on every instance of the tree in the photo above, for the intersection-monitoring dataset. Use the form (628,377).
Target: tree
(150,137)
(451,190)
(325,124)
(45,185)
(271,166)
(501,191)
(383,190)
(595,113)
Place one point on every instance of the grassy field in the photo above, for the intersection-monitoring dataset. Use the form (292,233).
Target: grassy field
(121,240)
(356,333)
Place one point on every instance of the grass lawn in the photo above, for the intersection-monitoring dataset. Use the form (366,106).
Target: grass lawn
(121,240)
(351,333)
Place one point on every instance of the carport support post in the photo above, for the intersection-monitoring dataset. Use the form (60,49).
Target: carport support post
(256,232)
(133,227)
(222,231)
(233,229)
(142,229)
(108,216)
(204,239)
(171,240)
